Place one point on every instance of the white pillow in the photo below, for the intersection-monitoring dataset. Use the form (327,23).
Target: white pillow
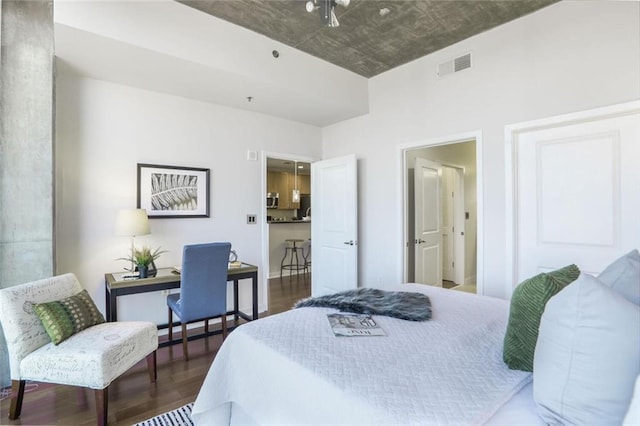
(623,276)
(587,355)
(633,415)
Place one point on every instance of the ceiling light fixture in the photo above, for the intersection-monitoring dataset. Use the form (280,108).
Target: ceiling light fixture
(327,10)
(295,194)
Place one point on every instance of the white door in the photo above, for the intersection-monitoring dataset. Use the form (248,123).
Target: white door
(428,235)
(576,190)
(334,226)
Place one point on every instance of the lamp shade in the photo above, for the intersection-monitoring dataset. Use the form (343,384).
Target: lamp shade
(132,222)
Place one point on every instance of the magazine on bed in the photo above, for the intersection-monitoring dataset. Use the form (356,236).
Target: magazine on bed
(345,324)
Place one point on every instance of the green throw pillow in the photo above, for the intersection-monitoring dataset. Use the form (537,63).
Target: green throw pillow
(527,305)
(64,318)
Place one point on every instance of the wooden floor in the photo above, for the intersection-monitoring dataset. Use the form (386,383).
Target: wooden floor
(282,295)
(132,398)
(448,284)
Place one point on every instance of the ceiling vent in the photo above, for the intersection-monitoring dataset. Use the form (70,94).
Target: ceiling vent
(455,65)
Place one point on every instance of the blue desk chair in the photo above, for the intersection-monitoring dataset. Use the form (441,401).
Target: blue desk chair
(203,288)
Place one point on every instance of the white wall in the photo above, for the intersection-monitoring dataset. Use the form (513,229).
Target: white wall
(103,129)
(571,56)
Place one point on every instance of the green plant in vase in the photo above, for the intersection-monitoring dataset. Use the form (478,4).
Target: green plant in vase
(143,258)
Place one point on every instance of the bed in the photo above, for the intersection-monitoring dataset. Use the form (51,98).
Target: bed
(290,369)
(579,335)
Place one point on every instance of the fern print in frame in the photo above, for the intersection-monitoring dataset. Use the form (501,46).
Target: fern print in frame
(173,191)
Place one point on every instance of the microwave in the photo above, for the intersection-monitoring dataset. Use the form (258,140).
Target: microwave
(272,200)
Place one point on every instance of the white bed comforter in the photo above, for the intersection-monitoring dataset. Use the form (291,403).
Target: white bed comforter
(289,369)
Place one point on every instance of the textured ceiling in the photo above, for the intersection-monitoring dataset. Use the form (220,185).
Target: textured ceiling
(366,42)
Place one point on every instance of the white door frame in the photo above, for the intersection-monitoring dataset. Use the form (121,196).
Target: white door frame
(403,203)
(512,132)
(263,302)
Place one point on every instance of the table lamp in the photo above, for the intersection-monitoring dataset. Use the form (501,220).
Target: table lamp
(132,223)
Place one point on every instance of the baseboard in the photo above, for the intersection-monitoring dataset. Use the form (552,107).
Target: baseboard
(284,273)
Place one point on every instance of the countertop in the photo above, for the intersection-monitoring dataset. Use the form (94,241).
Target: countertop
(288,221)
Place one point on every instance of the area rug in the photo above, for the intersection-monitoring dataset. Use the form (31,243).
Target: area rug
(178,417)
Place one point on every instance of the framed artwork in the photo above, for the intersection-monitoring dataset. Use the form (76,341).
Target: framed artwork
(173,191)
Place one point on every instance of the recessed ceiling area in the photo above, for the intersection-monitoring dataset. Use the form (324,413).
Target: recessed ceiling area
(374,36)
(168,47)
(221,51)
(280,165)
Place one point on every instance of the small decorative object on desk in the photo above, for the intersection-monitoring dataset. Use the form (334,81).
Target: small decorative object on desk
(345,324)
(143,259)
(233,260)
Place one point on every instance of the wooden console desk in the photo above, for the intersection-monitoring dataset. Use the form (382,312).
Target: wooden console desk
(116,285)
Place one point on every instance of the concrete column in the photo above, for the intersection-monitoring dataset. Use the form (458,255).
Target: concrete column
(26,146)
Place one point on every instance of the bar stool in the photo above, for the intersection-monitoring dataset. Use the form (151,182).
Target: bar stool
(291,250)
(307,257)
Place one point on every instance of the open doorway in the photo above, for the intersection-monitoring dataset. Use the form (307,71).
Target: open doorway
(441,214)
(286,189)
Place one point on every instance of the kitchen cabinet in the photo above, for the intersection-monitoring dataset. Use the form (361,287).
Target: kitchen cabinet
(304,184)
(284,183)
(285,192)
(273,182)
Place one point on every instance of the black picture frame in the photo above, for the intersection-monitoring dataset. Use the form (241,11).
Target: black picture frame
(173,191)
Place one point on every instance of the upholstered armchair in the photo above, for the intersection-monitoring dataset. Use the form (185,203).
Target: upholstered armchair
(92,357)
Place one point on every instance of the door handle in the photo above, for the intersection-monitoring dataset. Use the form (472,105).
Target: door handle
(420,241)
(350,243)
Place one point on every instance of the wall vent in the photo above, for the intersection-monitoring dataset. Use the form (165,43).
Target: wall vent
(455,65)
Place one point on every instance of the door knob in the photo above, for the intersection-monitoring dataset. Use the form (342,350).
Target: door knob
(420,241)
(349,243)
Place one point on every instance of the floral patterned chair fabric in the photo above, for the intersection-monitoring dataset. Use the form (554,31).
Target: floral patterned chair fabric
(92,358)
